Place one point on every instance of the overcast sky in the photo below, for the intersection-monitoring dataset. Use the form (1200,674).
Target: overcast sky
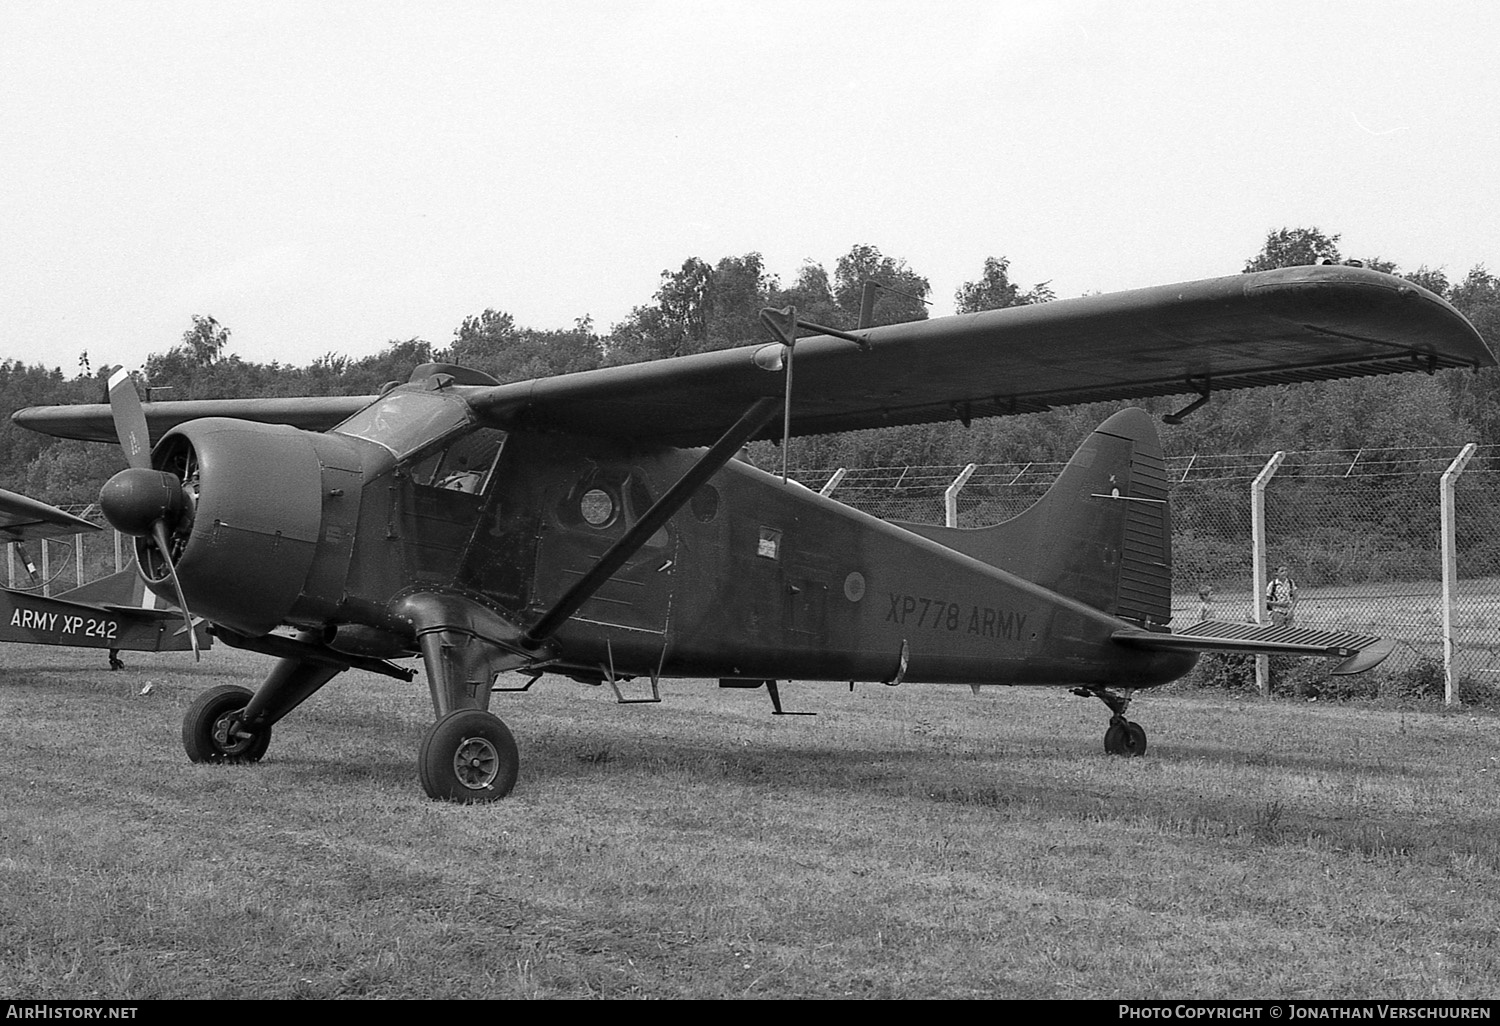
(326,177)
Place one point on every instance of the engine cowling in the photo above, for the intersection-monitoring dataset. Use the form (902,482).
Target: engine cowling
(256,497)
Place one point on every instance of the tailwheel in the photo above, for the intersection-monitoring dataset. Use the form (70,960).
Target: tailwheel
(211,730)
(468,756)
(1125,738)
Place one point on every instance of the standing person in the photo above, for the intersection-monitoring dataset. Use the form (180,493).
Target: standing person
(1205,602)
(1281,598)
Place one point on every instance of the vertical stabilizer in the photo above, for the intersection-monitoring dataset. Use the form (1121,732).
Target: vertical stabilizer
(121,588)
(1102,533)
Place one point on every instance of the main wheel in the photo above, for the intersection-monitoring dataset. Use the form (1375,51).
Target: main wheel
(468,756)
(210,730)
(1125,738)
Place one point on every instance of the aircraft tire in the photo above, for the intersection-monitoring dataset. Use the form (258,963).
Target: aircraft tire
(204,717)
(1125,739)
(468,757)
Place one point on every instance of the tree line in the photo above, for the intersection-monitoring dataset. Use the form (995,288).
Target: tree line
(703,306)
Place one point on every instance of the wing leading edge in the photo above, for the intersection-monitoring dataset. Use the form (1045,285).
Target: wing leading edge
(93,422)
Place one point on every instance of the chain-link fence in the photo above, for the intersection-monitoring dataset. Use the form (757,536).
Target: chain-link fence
(1359,530)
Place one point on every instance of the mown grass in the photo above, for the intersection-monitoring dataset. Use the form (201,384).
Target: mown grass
(910,842)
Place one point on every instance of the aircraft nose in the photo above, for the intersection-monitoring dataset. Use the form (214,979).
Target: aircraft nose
(135,499)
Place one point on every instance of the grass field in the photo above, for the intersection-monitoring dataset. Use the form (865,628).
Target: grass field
(908,842)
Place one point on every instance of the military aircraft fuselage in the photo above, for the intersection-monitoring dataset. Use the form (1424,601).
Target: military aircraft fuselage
(752,579)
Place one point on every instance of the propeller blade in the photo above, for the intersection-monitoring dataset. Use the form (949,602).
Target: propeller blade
(159,531)
(130,419)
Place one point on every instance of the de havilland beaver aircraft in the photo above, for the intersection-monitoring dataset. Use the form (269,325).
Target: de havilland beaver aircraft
(597,524)
(106,613)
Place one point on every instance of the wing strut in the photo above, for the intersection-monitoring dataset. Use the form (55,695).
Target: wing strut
(1181,415)
(783,324)
(721,452)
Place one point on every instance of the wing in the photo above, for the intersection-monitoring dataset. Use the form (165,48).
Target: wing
(93,423)
(27,519)
(1274,327)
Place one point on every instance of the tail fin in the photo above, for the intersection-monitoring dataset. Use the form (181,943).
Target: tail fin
(1103,532)
(121,588)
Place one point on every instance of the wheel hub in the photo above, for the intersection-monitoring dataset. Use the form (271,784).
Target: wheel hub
(476,763)
(228,736)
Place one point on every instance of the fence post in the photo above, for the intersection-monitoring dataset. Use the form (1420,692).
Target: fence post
(1450,568)
(46,570)
(833,482)
(10,564)
(950,496)
(1258,562)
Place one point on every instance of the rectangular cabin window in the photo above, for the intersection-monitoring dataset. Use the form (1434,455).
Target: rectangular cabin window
(770,543)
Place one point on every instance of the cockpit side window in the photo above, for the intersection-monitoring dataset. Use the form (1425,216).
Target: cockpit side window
(464,465)
(404,422)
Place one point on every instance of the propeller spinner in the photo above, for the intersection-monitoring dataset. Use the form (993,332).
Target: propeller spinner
(140,501)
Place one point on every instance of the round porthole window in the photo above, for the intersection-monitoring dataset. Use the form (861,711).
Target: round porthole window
(597,507)
(705,503)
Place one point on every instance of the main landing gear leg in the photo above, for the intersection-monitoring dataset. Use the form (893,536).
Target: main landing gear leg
(1123,737)
(468,755)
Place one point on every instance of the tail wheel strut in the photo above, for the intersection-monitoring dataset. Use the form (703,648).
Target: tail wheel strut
(1124,737)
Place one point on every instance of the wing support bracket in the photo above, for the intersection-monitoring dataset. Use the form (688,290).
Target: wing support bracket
(785,322)
(1182,414)
(783,325)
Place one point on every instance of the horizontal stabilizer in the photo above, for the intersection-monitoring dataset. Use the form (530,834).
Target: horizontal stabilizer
(143,614)
(33,619)
(1358,652)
